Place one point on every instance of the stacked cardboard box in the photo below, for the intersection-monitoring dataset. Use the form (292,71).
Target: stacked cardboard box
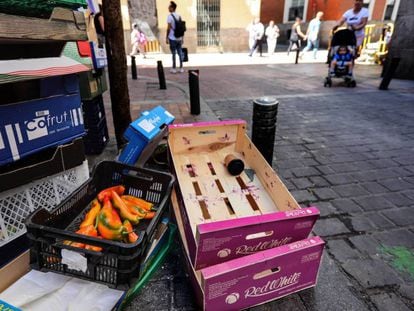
(246,239)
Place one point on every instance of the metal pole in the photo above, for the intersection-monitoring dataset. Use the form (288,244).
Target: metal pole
(161,76)
(133,68)
(264,126)
(193,79)
(389,72)
(297,56)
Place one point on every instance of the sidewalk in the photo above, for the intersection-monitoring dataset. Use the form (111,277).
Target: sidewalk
(346,151)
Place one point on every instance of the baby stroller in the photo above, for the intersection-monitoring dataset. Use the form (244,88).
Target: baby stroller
(340,39)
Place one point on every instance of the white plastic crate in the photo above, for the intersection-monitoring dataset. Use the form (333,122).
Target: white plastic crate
(16,204)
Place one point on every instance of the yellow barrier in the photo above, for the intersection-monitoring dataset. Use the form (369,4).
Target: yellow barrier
(152,46)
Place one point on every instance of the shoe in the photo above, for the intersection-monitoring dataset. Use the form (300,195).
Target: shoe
(181,70)
(173,70)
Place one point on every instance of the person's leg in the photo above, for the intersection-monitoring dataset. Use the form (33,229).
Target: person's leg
(271,45)
(332,68)
(173,48)
(180,54)
(350,68)
(315,48)
(290,47)
(253,48)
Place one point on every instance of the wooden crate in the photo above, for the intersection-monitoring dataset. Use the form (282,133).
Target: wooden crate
(229,216)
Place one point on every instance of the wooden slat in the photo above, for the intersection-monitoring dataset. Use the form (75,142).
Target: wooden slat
(29,28)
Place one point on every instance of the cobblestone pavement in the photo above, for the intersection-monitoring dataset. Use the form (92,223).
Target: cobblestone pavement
(346,151)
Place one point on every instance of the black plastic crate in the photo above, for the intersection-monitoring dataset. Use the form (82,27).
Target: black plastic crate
(96,138)
(93,111)
(118,264)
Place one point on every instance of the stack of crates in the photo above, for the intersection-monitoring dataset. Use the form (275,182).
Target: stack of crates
(92,86)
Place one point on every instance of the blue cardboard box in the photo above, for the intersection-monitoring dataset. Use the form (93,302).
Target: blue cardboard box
(28,127)
(143,131)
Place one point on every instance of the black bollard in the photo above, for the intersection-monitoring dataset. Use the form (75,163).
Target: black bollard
(297,56)
(389,72)
(264,126)
(133,68)
(193,76)
(161,76)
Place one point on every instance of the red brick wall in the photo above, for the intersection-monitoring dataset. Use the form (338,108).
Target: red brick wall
(379,8)
(272,10)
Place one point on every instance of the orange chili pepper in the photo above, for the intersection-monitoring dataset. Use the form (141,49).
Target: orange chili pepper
(107,192)
(132,236)
(139,202)
(90,217)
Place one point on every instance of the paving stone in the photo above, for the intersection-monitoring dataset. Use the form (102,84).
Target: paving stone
(342,251)
(325,208)
(371,272)
(340,179)
(383,163)
(402,216)
(145,301)
(409,194)
(399,199)
(325,169)
(400,237)
(288,303)
(397,184)
(318,181)
(405,160)
(183,294)
(361,223)
(305,171)
(407,291)
(333,291)
(380,221)
(389,301)
(329,227)
(303,196)
(374,187)
(373,203)
(324,193)
(366,244)
(301,183)
(350,190)
(289,163)
(346,206)
(343,168)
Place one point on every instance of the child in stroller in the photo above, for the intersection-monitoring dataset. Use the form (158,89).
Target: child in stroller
(341,58)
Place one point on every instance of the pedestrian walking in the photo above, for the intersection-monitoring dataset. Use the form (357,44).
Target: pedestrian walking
(272,33)
(312,35)
(250,30)
(258,30)
(138,41)
(173,39)
(356,19)
(296,35)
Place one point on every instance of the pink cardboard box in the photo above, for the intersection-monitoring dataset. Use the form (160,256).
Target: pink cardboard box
(254,279)
(225,216)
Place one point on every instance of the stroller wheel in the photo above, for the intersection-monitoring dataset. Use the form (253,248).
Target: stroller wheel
(352,83)
(328,82)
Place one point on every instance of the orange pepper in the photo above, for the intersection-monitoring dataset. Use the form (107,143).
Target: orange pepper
(123,209)
(139,202)
(94,248)
(107,192)
(134,209)
(109,224)
(90,218)
(149,215)
(132,236)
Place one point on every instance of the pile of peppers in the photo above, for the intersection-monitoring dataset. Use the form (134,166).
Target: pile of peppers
(112,216)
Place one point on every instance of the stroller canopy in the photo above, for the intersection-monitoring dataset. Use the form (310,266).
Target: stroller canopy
(343,37)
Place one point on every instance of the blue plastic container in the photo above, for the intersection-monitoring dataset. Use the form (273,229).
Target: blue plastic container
(143,131)
(28,127)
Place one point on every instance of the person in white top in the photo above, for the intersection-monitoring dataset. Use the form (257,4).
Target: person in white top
(249,29)
(175,43)
(272,33)
(356,19)
(258,30)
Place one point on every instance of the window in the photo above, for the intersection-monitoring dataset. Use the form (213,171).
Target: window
(297,8)
(389,9)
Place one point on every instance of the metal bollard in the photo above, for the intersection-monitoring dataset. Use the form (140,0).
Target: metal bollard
(193,80)
(388,73)
(264,126)
(297,56)
(161,76)
(133,68)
